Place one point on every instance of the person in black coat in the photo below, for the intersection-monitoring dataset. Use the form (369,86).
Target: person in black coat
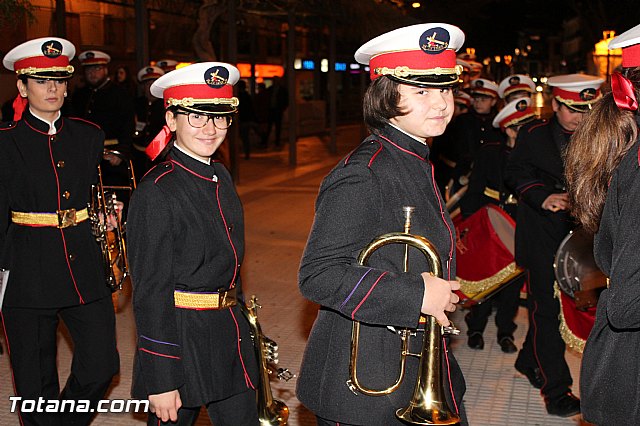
(186,244)
(149,119)
(362,198)
(603,174)
(111,107)
(536,172)
(54,265)
(486,185)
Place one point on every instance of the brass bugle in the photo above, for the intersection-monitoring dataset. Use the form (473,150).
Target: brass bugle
(428,405)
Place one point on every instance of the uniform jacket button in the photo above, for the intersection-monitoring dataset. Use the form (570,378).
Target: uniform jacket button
(60,164)
(66,194)
(52,138)
(230,227)
(72,257)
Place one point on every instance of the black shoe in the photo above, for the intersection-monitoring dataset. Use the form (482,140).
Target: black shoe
(476,341)
(565,405)
(507,345)
(534,376)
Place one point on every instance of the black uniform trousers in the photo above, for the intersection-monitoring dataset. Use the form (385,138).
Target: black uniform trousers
(31,342)
(543,346)
(506,301)
(237,410)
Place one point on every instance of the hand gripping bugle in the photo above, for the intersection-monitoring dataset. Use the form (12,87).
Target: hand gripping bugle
(428,405)
(112,242)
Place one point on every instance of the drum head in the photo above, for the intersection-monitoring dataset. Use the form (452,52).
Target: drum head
(574,265)
(503,226)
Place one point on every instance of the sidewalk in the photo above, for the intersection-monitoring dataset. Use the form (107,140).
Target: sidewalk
(279,204)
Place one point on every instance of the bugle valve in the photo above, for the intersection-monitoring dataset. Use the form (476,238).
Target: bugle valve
(428,405)
(107,226)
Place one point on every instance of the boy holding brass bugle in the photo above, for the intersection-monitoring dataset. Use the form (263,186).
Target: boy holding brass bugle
(409,101)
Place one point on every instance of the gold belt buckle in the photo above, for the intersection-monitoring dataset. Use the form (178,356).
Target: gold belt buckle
(66,218)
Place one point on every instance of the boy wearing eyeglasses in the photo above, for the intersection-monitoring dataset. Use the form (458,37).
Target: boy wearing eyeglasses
(186,244)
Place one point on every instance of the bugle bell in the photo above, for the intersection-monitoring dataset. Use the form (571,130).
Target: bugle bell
(428,405)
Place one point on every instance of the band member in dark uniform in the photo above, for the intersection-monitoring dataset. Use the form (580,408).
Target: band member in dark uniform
(362,198)
(47,166)
(110,106)
(536,172)
(186,244)
(474,129)
(149,119)
(486,185)
(603,173)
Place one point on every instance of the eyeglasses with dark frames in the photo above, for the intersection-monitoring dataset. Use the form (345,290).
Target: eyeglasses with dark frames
(221,122)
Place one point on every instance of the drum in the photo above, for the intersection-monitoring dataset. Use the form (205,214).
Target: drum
(578,285)
(485,246)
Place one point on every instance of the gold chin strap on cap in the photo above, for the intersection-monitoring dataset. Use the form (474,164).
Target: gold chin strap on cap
(571,103)
(190,102)
(33,71)
(404,71)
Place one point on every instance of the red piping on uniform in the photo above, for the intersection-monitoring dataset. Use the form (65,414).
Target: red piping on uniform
(446,357)
(13,380)
(403,150)
(158,354)
(247,379)
(45,133)
(437,192)
(535,336)
(367,295)
(162,175)
(64,241)
(86,121)
(544,123)
(373,157)
(226,228)
(191,171)
(526,188)
(235,254)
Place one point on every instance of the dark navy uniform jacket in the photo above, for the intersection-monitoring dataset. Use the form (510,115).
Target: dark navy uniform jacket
(112,108)
(536,170)
(186,232)
(488,172)
(468,133)
(610,372)
(360,199)
(49,267)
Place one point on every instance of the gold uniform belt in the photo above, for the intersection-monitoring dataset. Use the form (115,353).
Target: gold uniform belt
(198,301)
(59,219)
(492,193)
(110,142)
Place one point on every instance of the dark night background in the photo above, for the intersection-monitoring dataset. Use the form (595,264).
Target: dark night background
(492,26)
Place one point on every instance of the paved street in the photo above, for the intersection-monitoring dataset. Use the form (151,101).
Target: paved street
(278,202)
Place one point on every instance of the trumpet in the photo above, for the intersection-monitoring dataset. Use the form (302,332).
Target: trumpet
(428,405)
(102,210)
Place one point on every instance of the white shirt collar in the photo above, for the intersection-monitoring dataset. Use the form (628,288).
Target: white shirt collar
(175,143)
(422,141)
(52,127)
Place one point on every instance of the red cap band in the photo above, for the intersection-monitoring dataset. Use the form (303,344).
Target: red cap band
(414,59)
(197,91)
(517,88)
(631,56)
(515,116)
(573,96)
(41,62)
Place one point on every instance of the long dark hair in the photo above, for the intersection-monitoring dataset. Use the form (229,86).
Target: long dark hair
(602,138)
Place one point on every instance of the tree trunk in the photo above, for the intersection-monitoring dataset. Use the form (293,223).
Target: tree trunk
(208,14)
